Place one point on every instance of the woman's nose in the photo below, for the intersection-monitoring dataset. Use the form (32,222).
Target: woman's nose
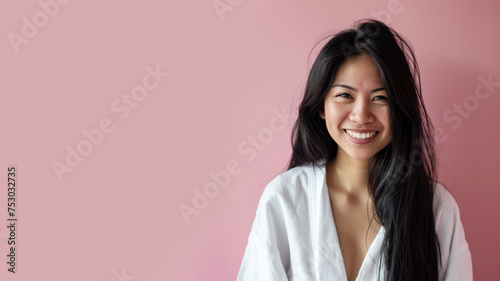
(361,113)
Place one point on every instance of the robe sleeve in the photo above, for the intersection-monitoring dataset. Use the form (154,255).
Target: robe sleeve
(455,253)
(267,256)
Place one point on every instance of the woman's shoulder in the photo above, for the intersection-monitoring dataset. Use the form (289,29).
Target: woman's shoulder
(455,253)
(293,187)
(443,199)
(446,210)
(292,181)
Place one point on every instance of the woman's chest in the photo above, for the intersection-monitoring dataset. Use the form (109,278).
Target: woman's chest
(356,230)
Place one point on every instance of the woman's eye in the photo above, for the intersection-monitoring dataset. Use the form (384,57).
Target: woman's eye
(344,95)
(383,98)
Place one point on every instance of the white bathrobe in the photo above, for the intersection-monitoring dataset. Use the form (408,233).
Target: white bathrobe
(293,236)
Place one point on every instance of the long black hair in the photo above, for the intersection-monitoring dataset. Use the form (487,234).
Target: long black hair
(402,175)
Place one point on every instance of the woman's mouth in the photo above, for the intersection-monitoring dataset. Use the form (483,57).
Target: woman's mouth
(361,136)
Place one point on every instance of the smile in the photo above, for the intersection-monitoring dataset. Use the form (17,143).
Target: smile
(361,137)
(364,135)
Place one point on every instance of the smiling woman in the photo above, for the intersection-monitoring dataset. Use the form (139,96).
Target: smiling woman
(356,110)
(355,203)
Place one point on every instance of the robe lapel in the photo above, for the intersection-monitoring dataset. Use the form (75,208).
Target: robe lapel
(330,264)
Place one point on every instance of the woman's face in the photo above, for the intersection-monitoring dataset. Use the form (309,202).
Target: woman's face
(356,109)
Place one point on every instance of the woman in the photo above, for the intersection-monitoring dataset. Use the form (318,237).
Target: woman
(360,199)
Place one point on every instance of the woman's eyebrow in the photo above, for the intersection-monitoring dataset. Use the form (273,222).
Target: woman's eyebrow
(378,89)
(354,89)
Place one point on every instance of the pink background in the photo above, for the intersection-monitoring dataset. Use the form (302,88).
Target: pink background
(117,212)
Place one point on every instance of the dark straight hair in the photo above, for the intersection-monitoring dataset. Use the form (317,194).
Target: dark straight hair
(402,175)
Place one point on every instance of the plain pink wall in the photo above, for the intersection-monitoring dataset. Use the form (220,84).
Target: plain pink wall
(235,74)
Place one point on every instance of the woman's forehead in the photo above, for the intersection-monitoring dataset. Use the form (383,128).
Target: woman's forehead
(360,72)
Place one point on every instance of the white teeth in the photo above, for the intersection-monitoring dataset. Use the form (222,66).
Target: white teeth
(362,135)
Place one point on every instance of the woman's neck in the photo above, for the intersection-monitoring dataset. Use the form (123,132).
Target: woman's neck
(348,175)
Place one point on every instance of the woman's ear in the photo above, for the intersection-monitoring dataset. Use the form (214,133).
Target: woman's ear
(322,114)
